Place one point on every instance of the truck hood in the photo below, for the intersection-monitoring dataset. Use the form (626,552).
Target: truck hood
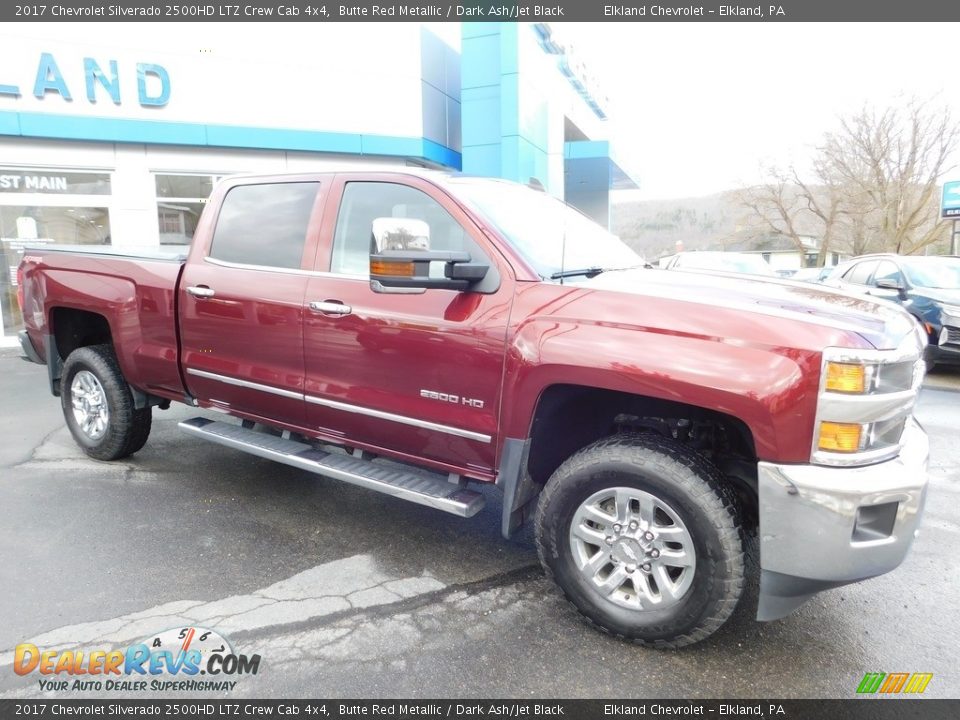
(882,324)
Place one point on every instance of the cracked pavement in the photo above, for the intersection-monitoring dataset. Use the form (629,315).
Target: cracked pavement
(347,593)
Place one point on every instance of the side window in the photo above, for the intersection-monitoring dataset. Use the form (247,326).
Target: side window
(264,224)
(860,272)
(887,271)
(364,202)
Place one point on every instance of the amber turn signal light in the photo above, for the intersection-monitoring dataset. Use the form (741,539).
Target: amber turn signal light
(846,377)
(391,269)
(840,437)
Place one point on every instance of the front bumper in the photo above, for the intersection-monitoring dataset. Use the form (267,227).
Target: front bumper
(822,527)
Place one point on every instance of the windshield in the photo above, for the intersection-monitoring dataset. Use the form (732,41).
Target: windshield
(552,236)
(726,262)
(939,273)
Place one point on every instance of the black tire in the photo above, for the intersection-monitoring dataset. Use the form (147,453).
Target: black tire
(694,489)
(127,427)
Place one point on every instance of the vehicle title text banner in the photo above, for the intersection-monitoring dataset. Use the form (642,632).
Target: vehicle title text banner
(544,10)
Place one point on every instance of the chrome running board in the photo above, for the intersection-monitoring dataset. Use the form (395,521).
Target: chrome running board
(388,479)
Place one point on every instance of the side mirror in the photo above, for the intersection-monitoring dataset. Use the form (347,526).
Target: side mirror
(891,284)
(406,270)
(401,260)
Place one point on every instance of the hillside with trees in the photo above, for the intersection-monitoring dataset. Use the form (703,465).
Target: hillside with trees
(874,187)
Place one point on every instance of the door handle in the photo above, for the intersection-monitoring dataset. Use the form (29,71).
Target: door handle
(330,307)
(200,291)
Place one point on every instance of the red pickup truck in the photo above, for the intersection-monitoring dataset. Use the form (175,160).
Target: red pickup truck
(415,333)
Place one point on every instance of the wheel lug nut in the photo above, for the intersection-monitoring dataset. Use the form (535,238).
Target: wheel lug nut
(609,540)
(634,525)
(648,535)
(646,567)
(654,553)
(631,568)
(617,528)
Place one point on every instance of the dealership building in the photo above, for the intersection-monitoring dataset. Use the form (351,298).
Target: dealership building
(116,135)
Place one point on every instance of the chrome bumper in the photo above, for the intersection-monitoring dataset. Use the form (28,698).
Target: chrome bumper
(822,527)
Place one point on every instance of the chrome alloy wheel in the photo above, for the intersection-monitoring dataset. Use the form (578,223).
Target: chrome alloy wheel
(89,404)
(633,549)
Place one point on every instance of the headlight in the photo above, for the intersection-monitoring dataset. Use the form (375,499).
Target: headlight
(865,399)
(951,311)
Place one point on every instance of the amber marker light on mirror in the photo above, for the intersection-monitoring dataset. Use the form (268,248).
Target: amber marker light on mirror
(391,269)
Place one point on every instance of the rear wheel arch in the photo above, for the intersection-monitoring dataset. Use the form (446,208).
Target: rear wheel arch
(67,330)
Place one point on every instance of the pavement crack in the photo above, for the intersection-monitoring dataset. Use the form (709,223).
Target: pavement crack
(523,574)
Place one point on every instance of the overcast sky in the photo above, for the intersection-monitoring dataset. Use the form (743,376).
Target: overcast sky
(699,107)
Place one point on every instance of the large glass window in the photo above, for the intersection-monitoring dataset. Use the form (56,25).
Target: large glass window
(26,226)
(53,182)
(264,224)
(180,202)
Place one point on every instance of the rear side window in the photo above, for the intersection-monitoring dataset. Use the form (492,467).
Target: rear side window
(264,224)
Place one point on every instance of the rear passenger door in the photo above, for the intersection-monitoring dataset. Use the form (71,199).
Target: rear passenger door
(241,301)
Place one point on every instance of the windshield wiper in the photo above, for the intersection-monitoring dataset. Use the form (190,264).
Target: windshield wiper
(592,272)
(582,272)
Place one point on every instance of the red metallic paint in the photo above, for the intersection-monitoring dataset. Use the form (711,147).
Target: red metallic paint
(736,346)
(135,296)
(392,346)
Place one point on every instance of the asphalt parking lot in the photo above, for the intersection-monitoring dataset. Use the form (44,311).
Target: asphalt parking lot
(346,593)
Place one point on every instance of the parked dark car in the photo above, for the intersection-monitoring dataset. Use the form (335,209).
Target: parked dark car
(927,286)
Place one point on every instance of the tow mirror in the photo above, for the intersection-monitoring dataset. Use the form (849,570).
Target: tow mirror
(401,260)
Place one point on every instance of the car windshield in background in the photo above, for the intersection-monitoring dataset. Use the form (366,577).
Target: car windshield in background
(939,273)
(551,235)
(725,262)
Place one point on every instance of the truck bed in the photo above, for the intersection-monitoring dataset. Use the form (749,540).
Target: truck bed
(134,291)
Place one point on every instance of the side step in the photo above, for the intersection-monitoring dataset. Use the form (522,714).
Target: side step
(406,484)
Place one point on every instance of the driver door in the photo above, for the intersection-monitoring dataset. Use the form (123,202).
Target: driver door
(415,373)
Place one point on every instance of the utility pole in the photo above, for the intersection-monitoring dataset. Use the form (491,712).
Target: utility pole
(955,238)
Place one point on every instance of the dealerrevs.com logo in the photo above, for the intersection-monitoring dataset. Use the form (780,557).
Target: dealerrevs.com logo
(189,659)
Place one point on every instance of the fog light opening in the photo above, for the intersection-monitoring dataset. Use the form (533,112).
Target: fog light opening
(875,522)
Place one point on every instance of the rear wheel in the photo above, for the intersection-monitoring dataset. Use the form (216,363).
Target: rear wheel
(99,407)
(641,536)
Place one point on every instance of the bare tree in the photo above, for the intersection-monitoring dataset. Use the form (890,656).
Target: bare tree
(873,187)
(789,207)
(892,162)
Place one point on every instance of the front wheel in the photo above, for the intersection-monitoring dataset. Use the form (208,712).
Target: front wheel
(98,406)
(641,536)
